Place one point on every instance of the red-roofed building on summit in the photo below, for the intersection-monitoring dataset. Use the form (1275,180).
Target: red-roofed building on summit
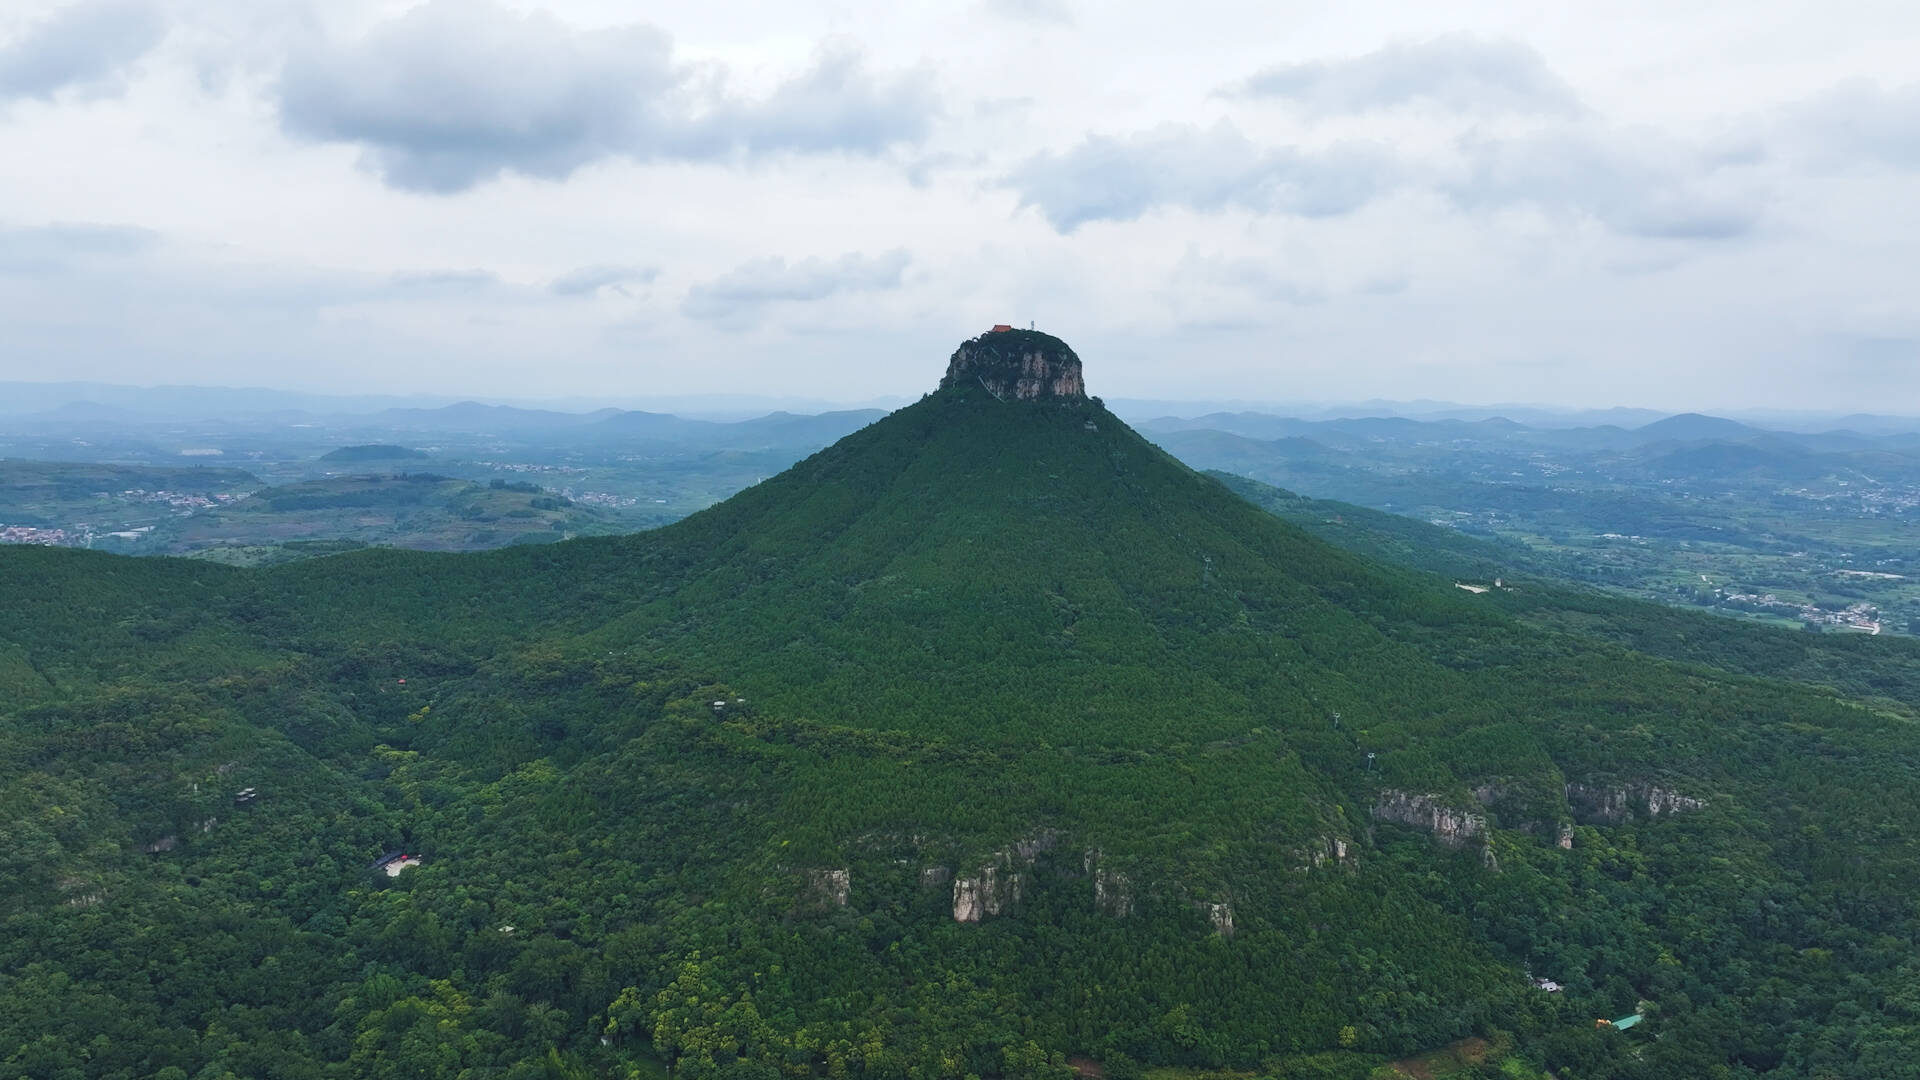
(999,328)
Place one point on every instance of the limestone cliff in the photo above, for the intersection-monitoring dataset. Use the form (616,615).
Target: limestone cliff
(1220,916)
(1017,365)
(1332,849)
(992,891)
(830,887)
(1000,882)
(1448,825)
(1611,804)
(1112,890)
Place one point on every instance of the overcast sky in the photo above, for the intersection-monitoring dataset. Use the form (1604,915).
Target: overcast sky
(1711,204)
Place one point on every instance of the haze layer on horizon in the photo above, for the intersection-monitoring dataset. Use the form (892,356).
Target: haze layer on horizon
(1679,207)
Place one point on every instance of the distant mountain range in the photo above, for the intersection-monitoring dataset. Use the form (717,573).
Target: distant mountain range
(605,425)
(1689,443)
(200,403)
(95,401)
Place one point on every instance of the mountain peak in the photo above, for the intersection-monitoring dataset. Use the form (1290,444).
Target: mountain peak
(1024,365)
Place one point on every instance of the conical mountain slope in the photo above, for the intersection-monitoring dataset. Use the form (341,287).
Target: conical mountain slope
(987,568)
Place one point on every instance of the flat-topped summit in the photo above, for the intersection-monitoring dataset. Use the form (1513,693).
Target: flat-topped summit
(1023,365)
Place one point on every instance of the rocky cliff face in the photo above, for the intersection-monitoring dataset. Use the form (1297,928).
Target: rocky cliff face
(1220,915)
(1018,365)
(1450,826)
(995,889)
(830,887)
(1000,881)
(1332,849)
(1610,805)
(1112,890)
(968,906)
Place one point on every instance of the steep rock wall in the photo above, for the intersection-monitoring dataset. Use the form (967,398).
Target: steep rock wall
(1602,804)
(1018,365)
(1451,826)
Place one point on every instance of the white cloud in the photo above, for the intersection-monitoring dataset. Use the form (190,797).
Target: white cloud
(1858,121)
(1456,72)
(35,249)
(1106,178)
(588,280)
(455,93)
(1056,12)
(84,47)
(1635,182)
(1401,201)
(737,297)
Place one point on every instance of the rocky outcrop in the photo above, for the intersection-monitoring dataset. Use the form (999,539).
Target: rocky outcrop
(1452,827)
(1667,801)
(165,843)
(1026,850)
(995,889)
(1328,850)
(1220,916)
(1017,365)
(932,877)
(1332,849)
(1599,804)
(1565,840)
(1112,890)
(830,888)
(1001,880)
(967,904)
(80,892)
(1112,893)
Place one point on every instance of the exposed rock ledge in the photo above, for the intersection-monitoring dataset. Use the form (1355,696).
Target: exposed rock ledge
(1018,365)
(1611,805)
(992,891)
(1337,850)
(1219,915)
(1112,890)
(830,887)
(1450,826)
(1000,882)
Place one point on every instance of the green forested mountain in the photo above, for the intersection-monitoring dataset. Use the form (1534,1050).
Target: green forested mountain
(987,738)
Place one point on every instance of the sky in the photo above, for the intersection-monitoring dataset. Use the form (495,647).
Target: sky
(1704,205)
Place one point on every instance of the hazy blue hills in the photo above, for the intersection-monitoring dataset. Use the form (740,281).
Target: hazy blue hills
(616,425)
(774,429)
(1694,427)
(473,416)
(374,452)
(1685,428)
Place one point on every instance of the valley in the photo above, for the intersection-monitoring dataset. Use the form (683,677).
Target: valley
(1810,530)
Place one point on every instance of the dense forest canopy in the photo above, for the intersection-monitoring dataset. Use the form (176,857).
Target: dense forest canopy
(989,737)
